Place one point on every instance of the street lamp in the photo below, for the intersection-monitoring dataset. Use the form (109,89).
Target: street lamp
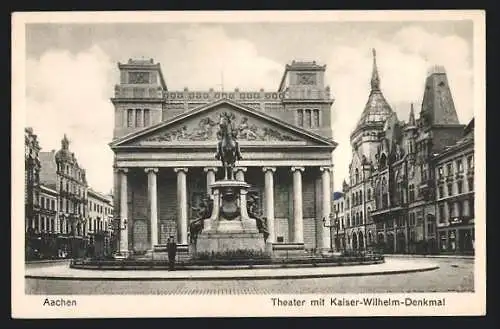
(332,223)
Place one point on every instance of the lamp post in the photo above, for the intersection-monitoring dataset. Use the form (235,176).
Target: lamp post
(333,222)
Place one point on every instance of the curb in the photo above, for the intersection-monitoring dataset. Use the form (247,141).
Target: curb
(430,256)
(46,261)
(253,278)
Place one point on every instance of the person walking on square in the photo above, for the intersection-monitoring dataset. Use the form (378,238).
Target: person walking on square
(171,250)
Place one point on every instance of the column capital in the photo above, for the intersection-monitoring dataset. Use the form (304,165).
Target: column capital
(177,170)
(149,170)
(121,169)
(207,169)
(325,168)
(271,169)
(243,169)
(294,169)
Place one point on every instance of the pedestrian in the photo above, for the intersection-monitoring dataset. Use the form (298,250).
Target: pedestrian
(171,250)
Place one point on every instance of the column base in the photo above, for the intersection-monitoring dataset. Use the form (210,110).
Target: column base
(122,254)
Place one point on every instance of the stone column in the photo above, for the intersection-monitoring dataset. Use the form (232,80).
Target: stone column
(210,178)
(240,173)
(182,211)
(326,205)
(124,222)
(298,226)
(269,205)
(153,204)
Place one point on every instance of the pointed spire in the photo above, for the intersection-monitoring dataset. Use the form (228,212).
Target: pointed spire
(375,82)
(65,142)
(411,120)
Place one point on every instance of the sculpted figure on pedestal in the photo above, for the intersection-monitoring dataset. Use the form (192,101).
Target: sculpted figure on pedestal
(204,211)
(255,213)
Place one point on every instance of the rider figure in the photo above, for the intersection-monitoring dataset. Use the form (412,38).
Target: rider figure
(233,134)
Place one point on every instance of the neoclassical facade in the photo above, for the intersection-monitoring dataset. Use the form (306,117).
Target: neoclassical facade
(165,142)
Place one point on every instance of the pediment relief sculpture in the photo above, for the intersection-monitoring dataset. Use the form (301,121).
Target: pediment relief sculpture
(206,129)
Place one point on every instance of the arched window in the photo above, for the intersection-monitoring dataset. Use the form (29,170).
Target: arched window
(356,176)
(385,201)
(361,196)
(369,196)
(368,212)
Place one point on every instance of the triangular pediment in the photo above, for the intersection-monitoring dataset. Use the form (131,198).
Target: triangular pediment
(200,126)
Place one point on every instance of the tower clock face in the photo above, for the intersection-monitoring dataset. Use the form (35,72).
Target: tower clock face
(307,78)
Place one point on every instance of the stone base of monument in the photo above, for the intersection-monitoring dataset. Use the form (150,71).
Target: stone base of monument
(220,242)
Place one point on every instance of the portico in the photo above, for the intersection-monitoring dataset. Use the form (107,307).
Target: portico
(160,178)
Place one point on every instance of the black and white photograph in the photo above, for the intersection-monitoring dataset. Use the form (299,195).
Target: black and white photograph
(264,163)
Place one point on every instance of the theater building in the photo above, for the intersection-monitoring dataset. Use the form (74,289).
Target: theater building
(390,194)
(165,141)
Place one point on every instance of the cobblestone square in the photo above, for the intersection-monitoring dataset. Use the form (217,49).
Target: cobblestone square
(453,275)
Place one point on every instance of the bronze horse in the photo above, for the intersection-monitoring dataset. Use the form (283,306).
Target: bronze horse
(228,150)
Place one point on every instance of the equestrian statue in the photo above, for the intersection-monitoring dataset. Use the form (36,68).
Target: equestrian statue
(228,149)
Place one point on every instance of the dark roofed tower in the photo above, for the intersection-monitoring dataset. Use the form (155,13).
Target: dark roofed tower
(438,112)
(438,107)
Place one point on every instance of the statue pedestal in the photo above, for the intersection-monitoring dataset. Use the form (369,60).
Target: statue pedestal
(229,228)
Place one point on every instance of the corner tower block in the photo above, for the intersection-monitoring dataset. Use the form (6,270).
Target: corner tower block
(138,98)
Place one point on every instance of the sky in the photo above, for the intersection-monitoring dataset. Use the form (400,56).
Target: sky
(71,70)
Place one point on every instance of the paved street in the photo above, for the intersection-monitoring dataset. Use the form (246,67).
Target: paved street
(452,275)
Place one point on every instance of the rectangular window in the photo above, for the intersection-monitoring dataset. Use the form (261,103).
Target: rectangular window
(460,166)
(300,118)
(53,204)
(441,213)
(440,172)
(138,117)
(471,183)
(147,119)
(130,118)
(470,162)
(42,201)
(307,118)
(316,118)
(423,172)
(449,169)
(450,189)
(441,191)
(459,187)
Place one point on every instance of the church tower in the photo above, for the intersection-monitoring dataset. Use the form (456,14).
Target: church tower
(138,97)
(365,137)
(306,99)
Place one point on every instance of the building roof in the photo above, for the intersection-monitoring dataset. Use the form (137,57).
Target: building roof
(437,105)
(98,195)
(337,195)
(49,190)
(377,110)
